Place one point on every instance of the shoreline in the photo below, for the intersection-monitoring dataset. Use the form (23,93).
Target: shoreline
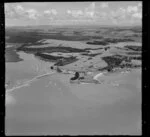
(97,76)
(28,82)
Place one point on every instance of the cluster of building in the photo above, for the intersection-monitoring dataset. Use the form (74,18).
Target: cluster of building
(79,76)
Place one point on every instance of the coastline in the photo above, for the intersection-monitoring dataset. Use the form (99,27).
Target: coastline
(97,76)
(26,83)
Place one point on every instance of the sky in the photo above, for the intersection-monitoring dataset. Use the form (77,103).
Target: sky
(123,13)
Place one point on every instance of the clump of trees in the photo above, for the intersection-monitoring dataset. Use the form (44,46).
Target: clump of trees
(48,57)
(51,49)
(65,61)
(98,43)
(114,40)
(60,60)
(119,61)
(107,41)
(91,55)
(113,60)
(133,53)
(133,47)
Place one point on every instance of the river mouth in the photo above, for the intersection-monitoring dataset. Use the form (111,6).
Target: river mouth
(18,73)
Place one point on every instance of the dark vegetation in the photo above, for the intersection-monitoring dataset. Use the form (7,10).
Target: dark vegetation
(51,49)
(133,53)
(90,66)
(135,57)
(30,36)
(132,50)
(98,43)
(60,60)
(89,58)
(135,29)
(107,41)
(132,47)
(17,36)
(106,48)
(91,55)
(37,43)
(33,34)
(113,61)
(92,49)
(49,57)
(113,40)
(116,61)
(66,61)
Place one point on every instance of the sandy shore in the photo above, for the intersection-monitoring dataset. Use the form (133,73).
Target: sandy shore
(97,76)
(26,83)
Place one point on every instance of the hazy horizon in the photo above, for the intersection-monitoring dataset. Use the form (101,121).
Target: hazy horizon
(72,25)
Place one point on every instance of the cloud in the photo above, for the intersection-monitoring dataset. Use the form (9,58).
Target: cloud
(32,14)
(137,15)
(135,11)
(18,11)
(91,7)
(132,9)
(75,13)
(117,15)
(139,4)
(89,12)
(8,12)
(69,11)
(54,11)
(104,5)
(86,13)
(94,12)
(50,12)
(126,14)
